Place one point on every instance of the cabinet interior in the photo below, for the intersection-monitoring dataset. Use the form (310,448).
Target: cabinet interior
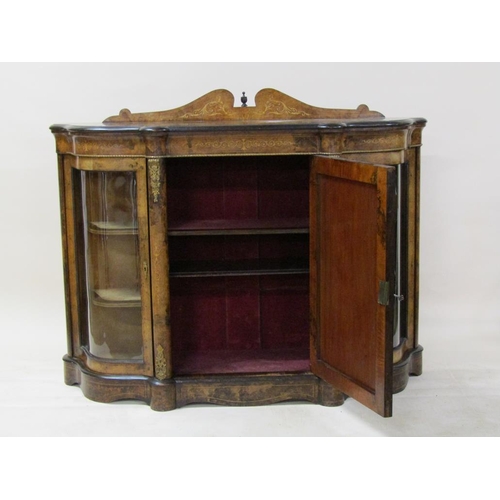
(238,250)
(238,238)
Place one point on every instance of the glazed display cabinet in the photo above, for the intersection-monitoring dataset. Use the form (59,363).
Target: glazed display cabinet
(241,255)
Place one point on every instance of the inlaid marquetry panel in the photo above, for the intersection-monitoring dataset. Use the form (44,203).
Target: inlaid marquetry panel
(218,105)
(242,143)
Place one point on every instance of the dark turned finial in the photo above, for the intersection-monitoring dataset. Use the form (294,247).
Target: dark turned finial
(244,100)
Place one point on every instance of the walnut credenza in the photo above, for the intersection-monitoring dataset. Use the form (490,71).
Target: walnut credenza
(241,255)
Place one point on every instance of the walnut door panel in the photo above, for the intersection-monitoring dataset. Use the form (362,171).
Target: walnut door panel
(352,278)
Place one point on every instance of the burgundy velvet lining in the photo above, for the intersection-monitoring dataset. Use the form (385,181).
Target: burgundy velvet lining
(224,362)
(249,323)
(217,248)
(242,188)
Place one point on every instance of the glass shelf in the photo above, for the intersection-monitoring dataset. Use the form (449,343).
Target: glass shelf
(112,228)
(117,297)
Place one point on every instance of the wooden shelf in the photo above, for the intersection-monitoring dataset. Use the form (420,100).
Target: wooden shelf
(112,228)
(117,297)
(235,227)
(189,269)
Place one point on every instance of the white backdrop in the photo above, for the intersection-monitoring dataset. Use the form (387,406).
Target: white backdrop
(460,199)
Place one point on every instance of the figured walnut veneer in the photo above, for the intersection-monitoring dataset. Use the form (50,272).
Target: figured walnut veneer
(240,255)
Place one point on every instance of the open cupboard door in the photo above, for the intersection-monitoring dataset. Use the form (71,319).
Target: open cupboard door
(353,263)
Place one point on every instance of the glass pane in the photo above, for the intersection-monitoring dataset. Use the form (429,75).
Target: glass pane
(112,264)
(398,293)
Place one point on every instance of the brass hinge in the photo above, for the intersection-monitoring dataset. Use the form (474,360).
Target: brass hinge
(383,293)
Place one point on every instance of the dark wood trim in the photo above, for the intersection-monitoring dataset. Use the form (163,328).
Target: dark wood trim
(80,265)
(72,255)
(160,395)
(416,216)
(248,390)
(67,296)
(230,390)
(404,264)
(254,390)
(410,364)
(412,224)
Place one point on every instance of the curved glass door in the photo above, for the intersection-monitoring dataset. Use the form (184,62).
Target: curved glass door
(112,265)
